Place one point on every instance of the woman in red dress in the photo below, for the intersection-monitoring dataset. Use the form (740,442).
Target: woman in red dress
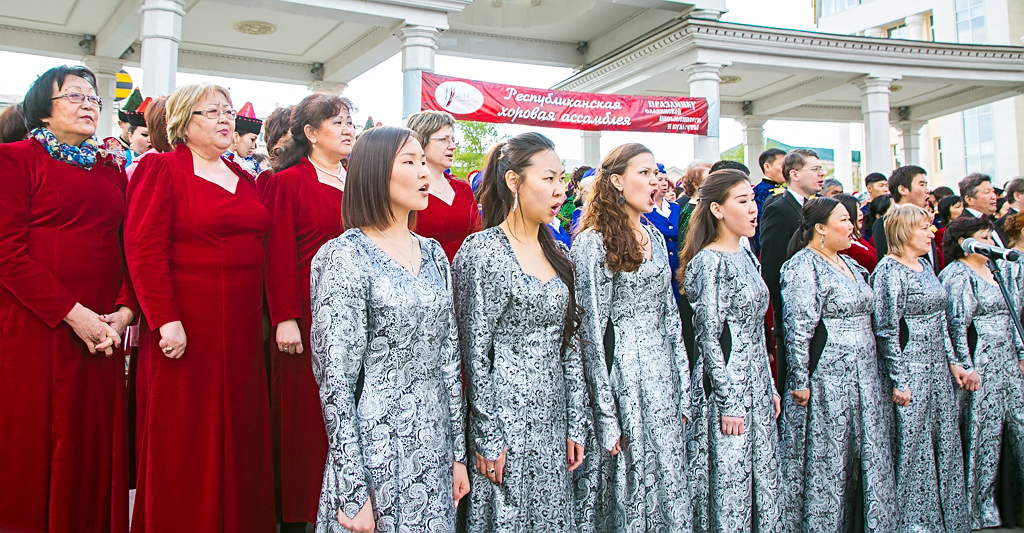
(62,434)
(859,250)
(452,213)
(304,200)
(194,241)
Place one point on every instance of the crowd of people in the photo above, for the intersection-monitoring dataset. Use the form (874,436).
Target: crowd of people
(347,335)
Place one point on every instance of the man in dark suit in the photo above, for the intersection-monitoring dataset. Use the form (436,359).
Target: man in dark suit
(1014,191)
(781,219)
(979,197)
(908,185)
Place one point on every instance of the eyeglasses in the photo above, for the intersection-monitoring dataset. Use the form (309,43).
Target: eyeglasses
(446,140)
(78,98)
(214,113)
(815,170)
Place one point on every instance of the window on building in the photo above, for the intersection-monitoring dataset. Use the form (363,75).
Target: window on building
(897,155)
(979,146)
(939,164)
(931,26)
(970,22)
(898,32)
(831,7)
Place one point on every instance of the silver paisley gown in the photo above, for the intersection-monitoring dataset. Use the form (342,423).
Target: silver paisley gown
(638,378)
(523,392)
(910,329)
(997,408)
(838,444)
(386,357)
(734,479)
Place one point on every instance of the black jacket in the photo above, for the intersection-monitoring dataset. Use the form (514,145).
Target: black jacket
(779,222)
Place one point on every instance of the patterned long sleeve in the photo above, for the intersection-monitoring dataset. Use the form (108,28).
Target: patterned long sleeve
(706,275)
(890,304)
(960,313)
(480,301)
(801,312)
(594,294)
(674,339)
(451,368)
(339,331)
(576,397)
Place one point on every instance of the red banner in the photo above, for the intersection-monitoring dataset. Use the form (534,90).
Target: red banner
(507,104)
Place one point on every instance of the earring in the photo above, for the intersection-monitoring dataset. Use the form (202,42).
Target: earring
(622,199)
(515,203)
(822,243)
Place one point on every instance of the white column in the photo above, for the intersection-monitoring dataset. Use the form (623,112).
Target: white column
(844,157)
(105,69)
(753,144)
(874,32)
(910,136)
(161,33)
(329,87)
(874,107)
(704,83)
(591,148)
(419,44)
(915,28)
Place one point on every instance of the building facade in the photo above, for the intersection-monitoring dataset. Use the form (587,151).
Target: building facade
(983,139)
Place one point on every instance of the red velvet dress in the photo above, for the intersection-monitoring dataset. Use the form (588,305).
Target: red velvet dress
(196,254)
(863,253)
(450,224)
(304,214)
(63,462)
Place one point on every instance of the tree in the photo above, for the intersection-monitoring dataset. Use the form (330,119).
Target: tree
(477,140)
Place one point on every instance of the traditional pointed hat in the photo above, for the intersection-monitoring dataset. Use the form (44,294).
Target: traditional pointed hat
(246,121)
(130,104)
(137,117)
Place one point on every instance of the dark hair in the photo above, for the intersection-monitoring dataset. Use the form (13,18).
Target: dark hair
(903,176)
(969,185)
(133,127)
(734,165)
(703,227)
(962,228)
(945,205)
(769,156)
(606,215)
(274,129)
(941,192)
(12,125)
(873,178)
(156,121)
(1016,185)
(496,201)
(876,210)
(577,174)
(796,160)
(851,204)
(1013,225)
(312,111)
(367,198)
(39,99)
(816,211)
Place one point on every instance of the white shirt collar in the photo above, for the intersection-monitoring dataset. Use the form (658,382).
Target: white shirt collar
(974,213)
(664,209)
(799,199)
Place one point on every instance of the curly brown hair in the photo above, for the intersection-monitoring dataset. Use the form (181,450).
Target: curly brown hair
(606,215)
(1012,227)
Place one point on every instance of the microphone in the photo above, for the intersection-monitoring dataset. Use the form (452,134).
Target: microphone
(973,246)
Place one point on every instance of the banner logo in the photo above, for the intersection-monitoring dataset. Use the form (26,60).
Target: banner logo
(459,98)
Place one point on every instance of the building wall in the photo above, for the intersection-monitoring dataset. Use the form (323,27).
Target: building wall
(1004,25)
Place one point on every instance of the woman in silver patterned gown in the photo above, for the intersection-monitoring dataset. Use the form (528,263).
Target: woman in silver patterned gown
(910,320)
(386,355)
(517,316)
(734,439)
(834,435)
(636,365)
(984,337)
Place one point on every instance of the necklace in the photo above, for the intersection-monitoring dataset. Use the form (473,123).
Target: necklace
(835,261)
(336,176)
(412,266)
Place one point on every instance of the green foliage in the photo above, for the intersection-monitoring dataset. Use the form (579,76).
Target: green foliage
(477,138)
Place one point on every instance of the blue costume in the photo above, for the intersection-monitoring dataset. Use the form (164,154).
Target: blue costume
(669,227)
(559,233)
(762,192)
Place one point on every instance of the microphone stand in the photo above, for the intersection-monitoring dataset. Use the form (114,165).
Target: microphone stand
(998,275)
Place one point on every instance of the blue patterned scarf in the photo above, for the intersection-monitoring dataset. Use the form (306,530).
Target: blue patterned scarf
(83,155)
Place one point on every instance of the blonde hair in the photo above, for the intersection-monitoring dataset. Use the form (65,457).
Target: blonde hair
(426,123)
(901,221)
(180,104)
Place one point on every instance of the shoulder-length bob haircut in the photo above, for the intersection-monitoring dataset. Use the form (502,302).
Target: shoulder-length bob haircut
(39,99)
(900,223)
(426,123)
(156,123)
(180,104)
(367,199)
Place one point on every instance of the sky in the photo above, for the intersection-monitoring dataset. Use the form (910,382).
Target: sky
(378,92)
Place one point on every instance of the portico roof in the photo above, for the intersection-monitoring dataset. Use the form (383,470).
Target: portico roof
(804,75)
